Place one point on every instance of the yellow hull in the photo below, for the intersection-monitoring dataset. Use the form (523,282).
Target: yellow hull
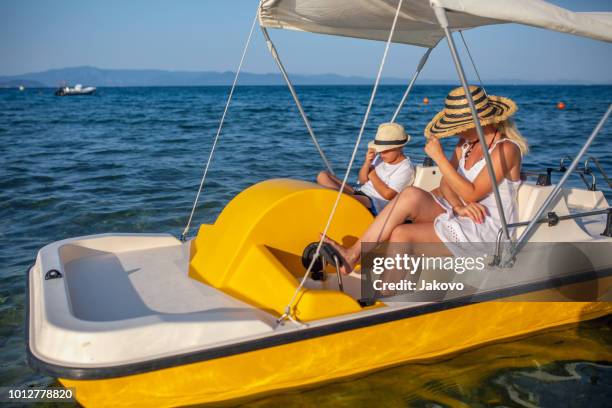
(258,231)
(330,357)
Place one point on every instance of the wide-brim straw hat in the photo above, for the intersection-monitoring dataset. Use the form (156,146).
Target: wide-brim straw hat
(457,115)
(389,136)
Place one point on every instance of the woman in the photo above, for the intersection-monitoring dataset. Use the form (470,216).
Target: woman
(463,207)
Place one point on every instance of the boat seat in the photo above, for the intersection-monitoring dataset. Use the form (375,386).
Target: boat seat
(427,178)
(530,199)
(253,250)
(585,200)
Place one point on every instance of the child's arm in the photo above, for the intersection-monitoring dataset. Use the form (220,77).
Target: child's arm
(366,167)
(384,190)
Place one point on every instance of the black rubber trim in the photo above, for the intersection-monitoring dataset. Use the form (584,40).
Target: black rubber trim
(89,373)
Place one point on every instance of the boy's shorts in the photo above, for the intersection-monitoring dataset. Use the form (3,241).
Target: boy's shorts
(372,208)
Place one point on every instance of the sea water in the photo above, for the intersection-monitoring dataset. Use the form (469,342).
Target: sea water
(130,160)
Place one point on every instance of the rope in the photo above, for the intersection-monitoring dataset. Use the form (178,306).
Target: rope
(472,61)
(221,122)
(287,314)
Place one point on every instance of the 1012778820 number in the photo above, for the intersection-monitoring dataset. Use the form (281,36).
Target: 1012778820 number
(52,394)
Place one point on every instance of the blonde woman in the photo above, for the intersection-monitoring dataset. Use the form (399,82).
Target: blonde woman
(462,209)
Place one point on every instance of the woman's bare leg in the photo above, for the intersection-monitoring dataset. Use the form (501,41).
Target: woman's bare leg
(415,239)
(413,203)
(415,233)
(422,239)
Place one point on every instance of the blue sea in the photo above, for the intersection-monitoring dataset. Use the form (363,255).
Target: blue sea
(130,160)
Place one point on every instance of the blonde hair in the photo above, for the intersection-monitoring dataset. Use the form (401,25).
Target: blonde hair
(508,128)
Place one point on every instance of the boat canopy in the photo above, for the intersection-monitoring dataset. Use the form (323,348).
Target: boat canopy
(417,23)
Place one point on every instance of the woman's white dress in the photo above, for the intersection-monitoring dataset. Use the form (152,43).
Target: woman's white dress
(457,229)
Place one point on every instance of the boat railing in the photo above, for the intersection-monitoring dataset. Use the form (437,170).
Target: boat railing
(552,219)
(544,178)
(587,170)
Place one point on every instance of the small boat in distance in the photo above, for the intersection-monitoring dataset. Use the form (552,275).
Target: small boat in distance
(76,90)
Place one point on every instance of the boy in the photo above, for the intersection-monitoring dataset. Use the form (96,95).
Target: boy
(385,172)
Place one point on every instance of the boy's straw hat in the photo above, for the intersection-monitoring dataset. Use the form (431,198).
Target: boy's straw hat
(457,115)
(389,136)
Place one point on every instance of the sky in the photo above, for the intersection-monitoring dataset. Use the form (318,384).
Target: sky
(208,35)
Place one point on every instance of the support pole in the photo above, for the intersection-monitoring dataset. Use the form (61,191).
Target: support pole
(553,194)
(274,53)
(411,84)
(441,15)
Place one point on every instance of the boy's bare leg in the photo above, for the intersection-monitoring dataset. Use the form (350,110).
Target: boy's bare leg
(328,180)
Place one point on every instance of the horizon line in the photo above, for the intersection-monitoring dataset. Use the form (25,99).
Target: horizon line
(442,81)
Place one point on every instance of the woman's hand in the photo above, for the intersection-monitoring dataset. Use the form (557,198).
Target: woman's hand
(476,211)
(433,148)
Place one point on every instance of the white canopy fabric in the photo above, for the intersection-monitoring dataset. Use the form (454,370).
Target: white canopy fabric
(417,24)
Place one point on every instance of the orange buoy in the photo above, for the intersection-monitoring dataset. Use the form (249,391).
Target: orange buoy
(561,105)
(426,100)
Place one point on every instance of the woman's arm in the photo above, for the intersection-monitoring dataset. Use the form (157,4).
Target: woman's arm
(445,190)
(505,157)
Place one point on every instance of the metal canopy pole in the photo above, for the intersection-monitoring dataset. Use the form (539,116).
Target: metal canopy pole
(553,194)
(412,81)
(441,16)
(274,53)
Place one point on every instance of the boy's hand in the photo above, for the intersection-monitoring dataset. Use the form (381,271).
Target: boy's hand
(370,155)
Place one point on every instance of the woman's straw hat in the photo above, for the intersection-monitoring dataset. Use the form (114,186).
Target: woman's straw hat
(457,115)
(389,136)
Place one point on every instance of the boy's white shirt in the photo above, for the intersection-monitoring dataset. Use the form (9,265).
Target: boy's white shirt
(395,176)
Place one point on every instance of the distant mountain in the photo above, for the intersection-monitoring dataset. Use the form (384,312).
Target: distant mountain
(91,76)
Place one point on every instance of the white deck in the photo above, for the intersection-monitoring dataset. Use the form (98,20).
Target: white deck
(108,302)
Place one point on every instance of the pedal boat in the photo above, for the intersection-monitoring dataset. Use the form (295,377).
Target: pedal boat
(142,319)
(139,319)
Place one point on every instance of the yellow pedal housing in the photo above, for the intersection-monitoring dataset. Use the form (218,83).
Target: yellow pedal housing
(253,250)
